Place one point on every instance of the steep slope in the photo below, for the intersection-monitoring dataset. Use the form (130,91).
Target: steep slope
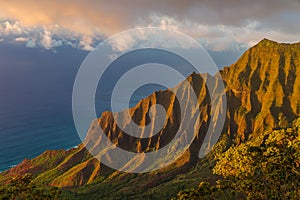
(262,90)
(140,114)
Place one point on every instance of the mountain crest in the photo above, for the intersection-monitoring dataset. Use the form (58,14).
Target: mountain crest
(263,93)
(267,43)
(271,44)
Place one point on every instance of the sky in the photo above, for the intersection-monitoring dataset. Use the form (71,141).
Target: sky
(217,25)
(40,37)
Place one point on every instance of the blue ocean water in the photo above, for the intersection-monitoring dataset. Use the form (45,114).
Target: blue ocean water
(36,96)
(36,99)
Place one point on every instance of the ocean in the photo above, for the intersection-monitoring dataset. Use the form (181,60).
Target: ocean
(36,96)
(36,100)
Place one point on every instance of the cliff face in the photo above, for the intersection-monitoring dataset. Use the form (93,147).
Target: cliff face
(263,92)
(263,88)
(180,119)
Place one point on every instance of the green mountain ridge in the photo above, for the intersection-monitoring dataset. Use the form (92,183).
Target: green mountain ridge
(263,93)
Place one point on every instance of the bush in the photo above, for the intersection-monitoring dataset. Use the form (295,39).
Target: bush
(22,187)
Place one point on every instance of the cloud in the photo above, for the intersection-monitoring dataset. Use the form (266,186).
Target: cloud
(220,37)
(123,43)
(110,17)
(44,37)
(31,44)
(47,42)
(150,37)
(21,39)
(11,28)
(218,24)
(86,43)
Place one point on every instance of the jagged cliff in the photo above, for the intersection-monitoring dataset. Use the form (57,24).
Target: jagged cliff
(263,88)
(263,92)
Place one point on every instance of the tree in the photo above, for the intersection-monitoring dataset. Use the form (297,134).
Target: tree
(265,168)
(269,170)
(22,187)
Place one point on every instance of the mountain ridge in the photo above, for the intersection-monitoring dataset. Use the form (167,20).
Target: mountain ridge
(263,93)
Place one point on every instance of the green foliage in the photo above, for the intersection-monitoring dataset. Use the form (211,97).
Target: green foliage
(269,170)
(206,191)
(21,187)
(266,170)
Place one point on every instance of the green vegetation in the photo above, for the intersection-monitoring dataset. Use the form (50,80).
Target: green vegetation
(21,187)
(269,169)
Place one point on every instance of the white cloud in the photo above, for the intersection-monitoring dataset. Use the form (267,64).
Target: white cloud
(220,37)
(48,42)
(215,37)
(44,37)
(31,44)
(118,15)
(123,42)
(21,39)
(12,28)
(219,26)
(166,22)
(86,43)
(150,37)
(69,43)
(1,39)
